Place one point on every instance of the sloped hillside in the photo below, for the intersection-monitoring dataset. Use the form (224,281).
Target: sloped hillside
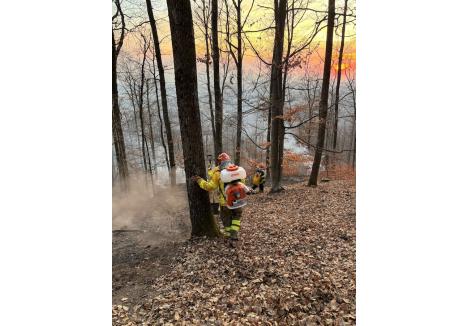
(295,266)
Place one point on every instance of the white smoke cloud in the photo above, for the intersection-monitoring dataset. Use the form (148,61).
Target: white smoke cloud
(291,144)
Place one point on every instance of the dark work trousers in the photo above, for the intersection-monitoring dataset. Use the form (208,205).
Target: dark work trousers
(259,186)
(231,221)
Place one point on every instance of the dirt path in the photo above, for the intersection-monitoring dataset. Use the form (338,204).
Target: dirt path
(146,234)
(295,266)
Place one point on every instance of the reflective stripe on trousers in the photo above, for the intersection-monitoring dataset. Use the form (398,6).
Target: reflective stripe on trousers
(235,225)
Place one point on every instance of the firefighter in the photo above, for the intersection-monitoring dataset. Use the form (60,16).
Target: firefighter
(214,183)
(258,179)
(235,192)
(229,217)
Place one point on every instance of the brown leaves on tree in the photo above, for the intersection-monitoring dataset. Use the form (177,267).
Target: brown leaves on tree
(295,164)
(295,266)
(292,113)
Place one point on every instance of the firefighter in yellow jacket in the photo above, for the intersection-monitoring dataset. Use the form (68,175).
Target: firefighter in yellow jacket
(231,225)
(258,179)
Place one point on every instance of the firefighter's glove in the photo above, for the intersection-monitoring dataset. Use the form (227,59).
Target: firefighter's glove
(195,178)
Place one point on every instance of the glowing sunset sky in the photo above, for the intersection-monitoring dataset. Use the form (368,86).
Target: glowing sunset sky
(260,18)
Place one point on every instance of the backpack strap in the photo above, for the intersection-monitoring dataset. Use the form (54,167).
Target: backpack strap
(220,189)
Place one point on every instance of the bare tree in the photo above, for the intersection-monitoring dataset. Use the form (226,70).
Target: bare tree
(239,81)
(292,16)
(130,86)
(276,96)
(353,145)
(150,121)
(238,60)
(311,87)
(117,134)
(183,47)
(323,106)
(204,19)
(158,107)
(161,127)
(150,166)
(267,155)
(162,83)
(338,78)
(218,140)
(140,102)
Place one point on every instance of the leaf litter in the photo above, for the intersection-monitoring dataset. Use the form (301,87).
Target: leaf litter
(295,266)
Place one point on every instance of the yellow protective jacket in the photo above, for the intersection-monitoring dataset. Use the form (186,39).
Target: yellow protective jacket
(211,171)
(259,177)
(214,182)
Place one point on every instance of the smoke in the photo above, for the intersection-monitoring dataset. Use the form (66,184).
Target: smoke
(159,218)
(291,144)
(161,175)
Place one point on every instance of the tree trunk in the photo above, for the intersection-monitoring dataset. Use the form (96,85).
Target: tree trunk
(117,134)
(239,85)
(208,82)
(276,97)
(133,95)
(323,106)
(161,125)
(288,47)
(310,103)
(140,108)
(162,83)
(150,122)
(354,129)
(338,79)
(267,155)
(354,146)
(185,70)
(218,141)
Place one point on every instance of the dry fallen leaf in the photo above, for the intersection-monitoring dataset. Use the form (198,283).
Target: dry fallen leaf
(295,266)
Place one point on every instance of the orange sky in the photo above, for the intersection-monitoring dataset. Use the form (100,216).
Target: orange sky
(263,42)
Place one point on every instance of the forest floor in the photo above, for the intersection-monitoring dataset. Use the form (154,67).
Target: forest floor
(295,266)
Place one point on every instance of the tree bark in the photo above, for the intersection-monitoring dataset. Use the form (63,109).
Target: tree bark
(310,103)
(117,134)
(140,107)
(218,141)
(161,125)
(338,79)
(239,84)
(162,83)
(267,155)
(150,122)
(288,47)
(208,81)
(354,127)
(185,69)
(354,146)
(323,105)
(134,99)
(277,98)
